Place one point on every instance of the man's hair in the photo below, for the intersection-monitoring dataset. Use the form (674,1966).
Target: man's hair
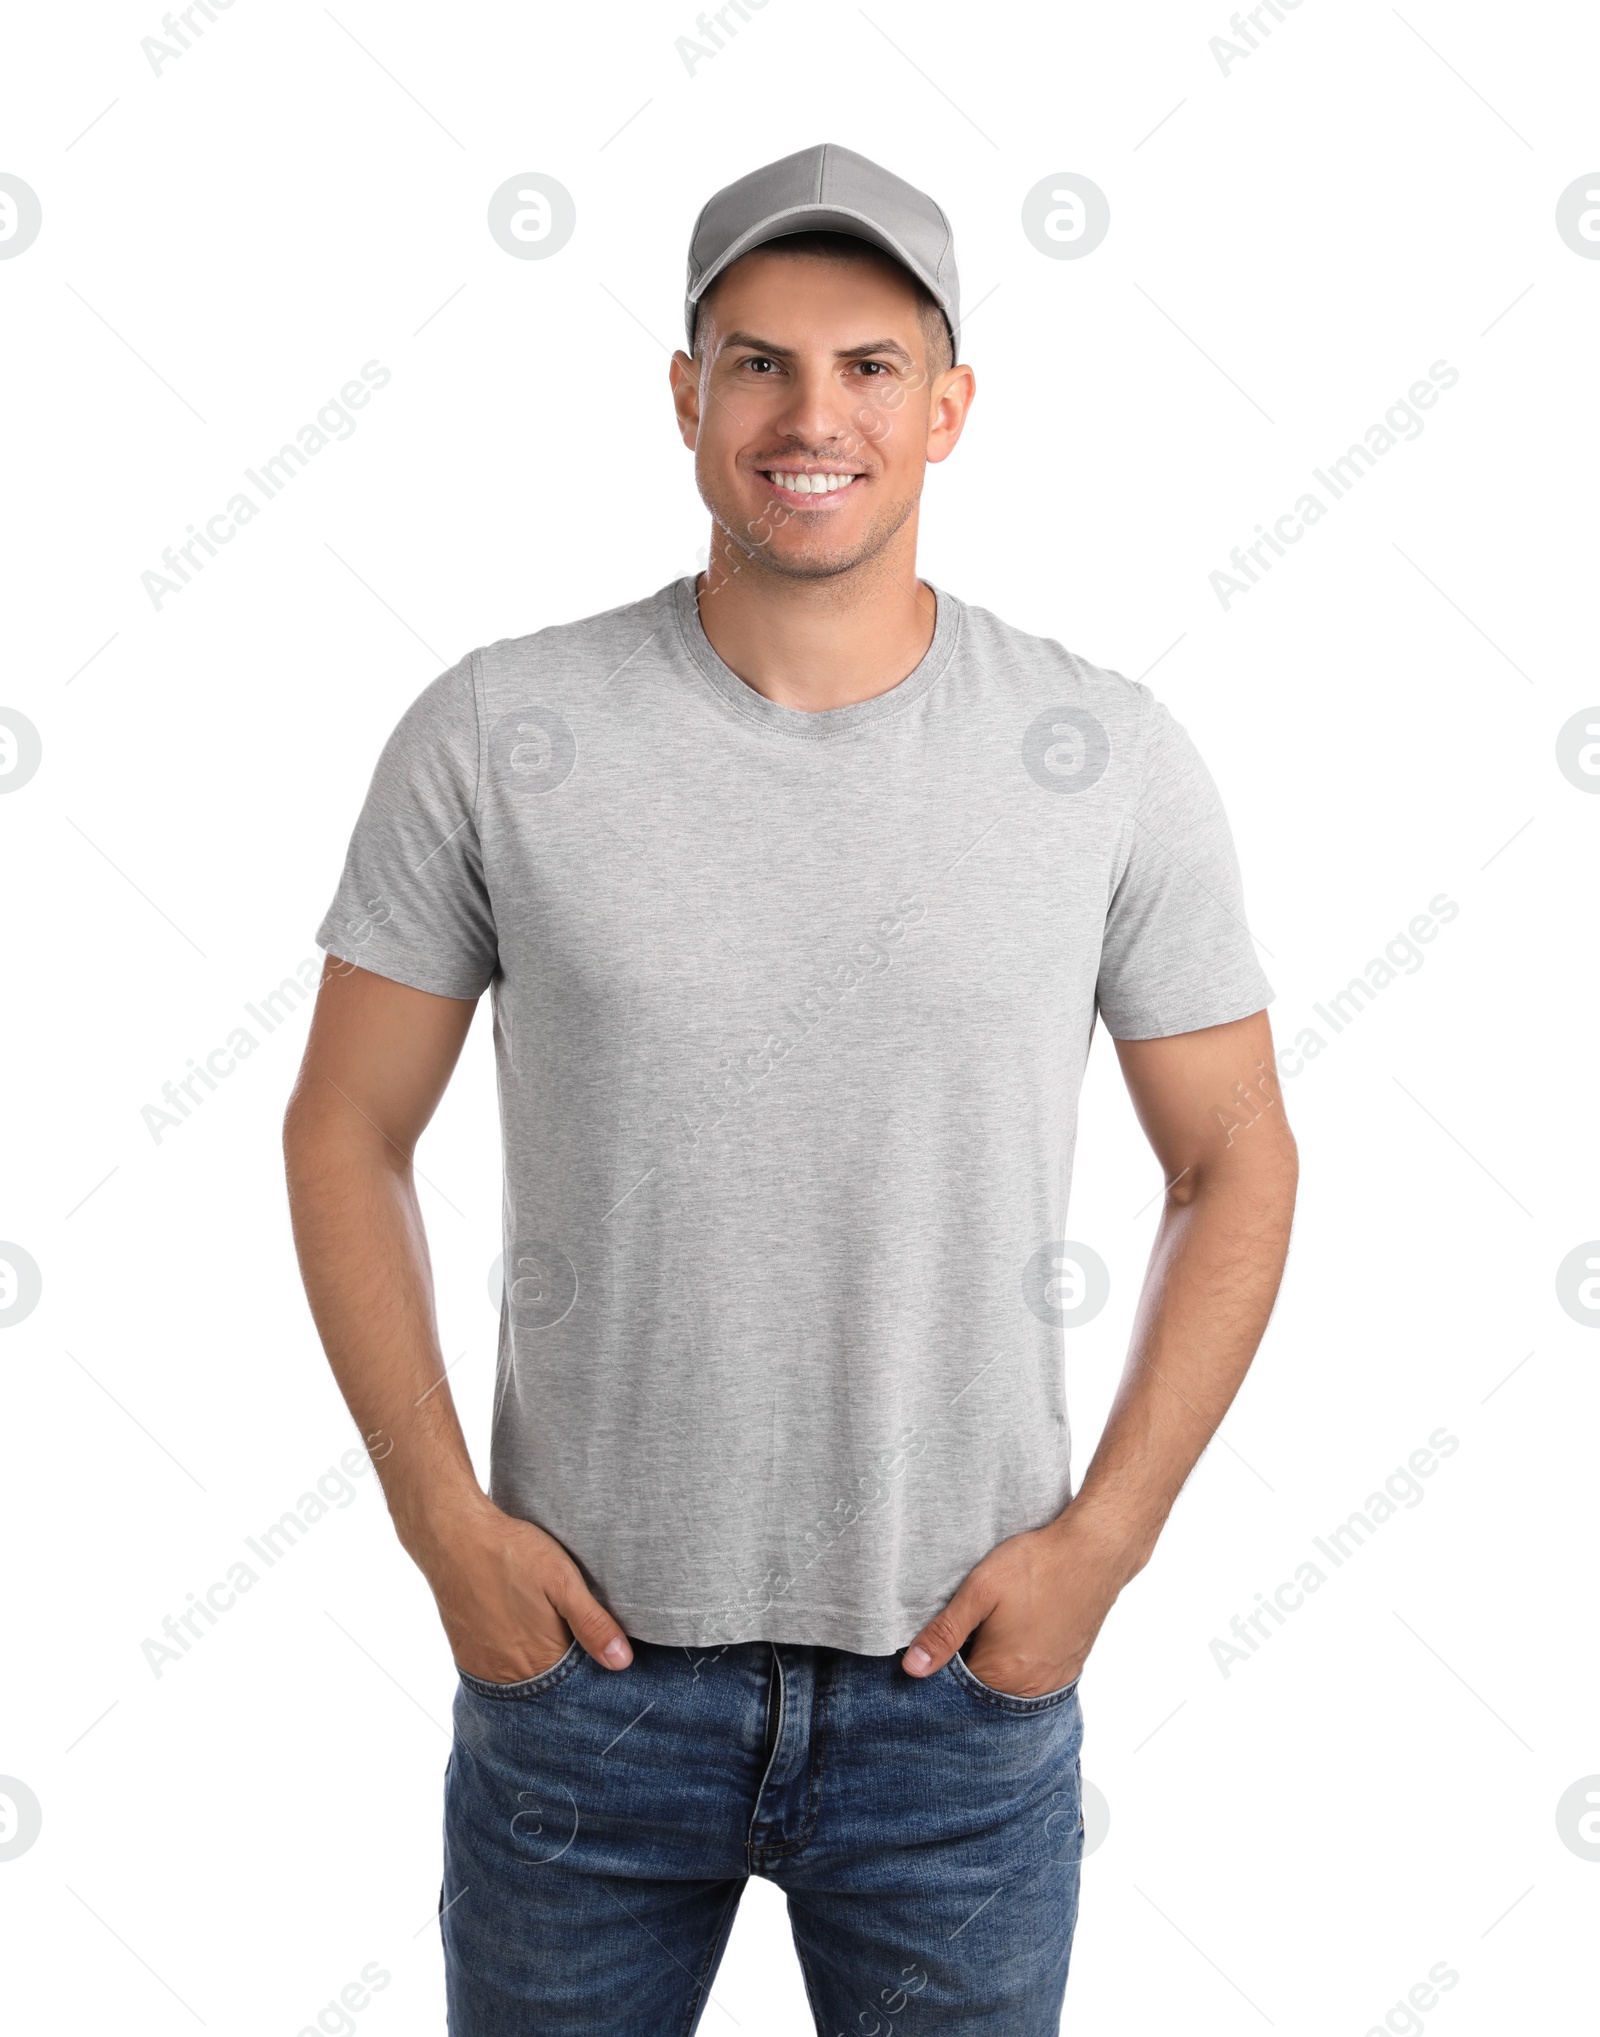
(844,247)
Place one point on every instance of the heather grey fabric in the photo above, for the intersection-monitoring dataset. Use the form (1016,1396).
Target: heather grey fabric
(832,189)
(791,1013)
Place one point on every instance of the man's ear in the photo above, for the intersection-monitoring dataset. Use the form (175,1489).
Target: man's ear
(685,377)
(951,399)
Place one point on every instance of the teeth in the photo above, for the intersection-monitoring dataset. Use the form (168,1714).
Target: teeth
(812,484)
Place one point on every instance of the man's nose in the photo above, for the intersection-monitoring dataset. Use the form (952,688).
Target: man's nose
(818,414)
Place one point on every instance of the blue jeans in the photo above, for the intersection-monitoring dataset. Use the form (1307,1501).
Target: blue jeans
(600,1827)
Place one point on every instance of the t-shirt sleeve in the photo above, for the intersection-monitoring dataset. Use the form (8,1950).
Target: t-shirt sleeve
(1177,953)
(412,903)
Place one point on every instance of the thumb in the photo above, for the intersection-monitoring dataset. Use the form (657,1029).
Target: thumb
(593,1628)
(944,1633)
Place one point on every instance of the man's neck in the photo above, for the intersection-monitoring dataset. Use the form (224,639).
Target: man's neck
(815,644)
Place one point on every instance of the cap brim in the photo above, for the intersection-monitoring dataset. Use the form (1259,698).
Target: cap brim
(825,219)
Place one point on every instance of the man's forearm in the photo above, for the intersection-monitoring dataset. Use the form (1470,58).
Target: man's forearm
(1208,1292)
(511,1598)
(364,1259)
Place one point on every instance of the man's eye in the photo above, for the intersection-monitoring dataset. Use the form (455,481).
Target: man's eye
(875,367)
(760,361)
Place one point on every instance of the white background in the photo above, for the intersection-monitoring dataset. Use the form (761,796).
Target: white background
(1291,1846)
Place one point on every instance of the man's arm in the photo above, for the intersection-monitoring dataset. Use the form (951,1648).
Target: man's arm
(376,1064)
(1213,1113)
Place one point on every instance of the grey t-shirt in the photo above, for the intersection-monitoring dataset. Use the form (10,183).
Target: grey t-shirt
(790,1013)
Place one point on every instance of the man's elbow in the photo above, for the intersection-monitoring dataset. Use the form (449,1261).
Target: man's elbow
(324,1133)
(1258,1160)
(305,1120)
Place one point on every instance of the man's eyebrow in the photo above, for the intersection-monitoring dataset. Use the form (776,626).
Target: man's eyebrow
(882,346)
(756,344)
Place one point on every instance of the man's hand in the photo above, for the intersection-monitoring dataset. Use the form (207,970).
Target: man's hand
(1037,1601)
(512,1600)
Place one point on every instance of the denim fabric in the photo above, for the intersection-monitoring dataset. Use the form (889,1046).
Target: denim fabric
(600,1827)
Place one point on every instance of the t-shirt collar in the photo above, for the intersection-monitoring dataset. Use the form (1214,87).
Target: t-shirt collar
(825,722)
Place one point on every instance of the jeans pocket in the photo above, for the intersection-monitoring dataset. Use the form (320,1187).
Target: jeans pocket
(1005,1700)
(531,1686)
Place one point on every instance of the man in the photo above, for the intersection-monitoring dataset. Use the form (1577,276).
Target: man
(798,886)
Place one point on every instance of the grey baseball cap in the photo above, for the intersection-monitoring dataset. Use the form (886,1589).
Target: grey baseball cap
(833,190)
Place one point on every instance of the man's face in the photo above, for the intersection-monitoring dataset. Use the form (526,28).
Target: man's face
(811,412)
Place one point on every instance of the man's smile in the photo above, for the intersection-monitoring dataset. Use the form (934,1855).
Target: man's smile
(807,484)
